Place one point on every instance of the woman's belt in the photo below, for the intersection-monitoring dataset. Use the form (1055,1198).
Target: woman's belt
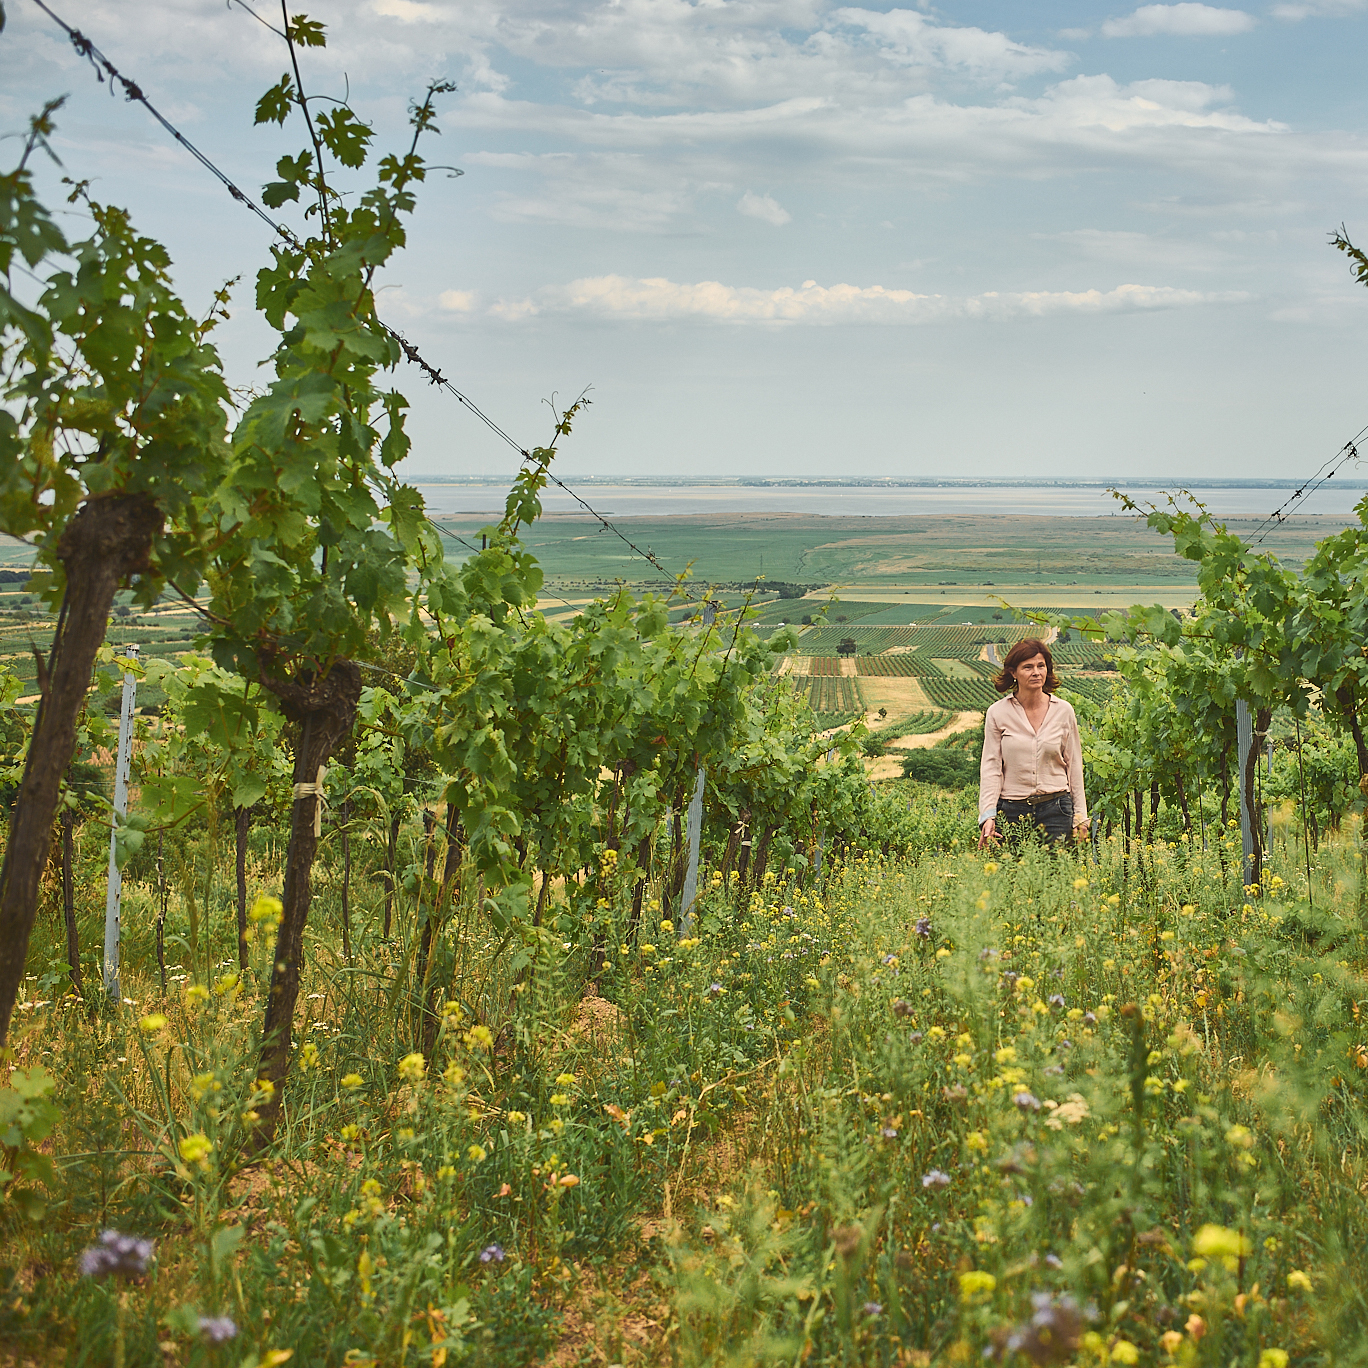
(1037,798)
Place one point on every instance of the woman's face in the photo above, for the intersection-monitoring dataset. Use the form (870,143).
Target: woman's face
(1031,674)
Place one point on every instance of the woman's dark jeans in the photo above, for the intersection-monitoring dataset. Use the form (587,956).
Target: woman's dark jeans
(1053,819)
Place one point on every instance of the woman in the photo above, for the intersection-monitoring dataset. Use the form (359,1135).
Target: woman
(1032,770)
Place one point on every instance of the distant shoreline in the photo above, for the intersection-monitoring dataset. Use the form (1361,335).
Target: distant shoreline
(967,482)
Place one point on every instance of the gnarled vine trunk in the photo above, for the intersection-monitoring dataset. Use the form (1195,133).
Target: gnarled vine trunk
(107,540)
(325,707)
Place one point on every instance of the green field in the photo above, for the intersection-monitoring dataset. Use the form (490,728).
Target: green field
(911,553)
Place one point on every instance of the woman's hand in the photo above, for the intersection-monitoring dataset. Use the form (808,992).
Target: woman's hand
(987,834)
(1082,831)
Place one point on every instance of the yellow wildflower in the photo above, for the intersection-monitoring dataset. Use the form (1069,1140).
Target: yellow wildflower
(1219,1242)
(1123,1351)
(351,1081)
(152,1023)
(477,1154)
(266,909)
(479,1038)
(974,1284)
(413,1068)
(195,1149)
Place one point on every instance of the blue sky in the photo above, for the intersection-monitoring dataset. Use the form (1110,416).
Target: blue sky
(804,238)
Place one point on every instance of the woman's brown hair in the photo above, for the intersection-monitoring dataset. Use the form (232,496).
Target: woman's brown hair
(1025,649)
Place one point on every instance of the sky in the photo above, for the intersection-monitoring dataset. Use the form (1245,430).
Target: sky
(786,237)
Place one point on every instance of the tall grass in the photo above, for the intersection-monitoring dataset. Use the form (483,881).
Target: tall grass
(1037,1107)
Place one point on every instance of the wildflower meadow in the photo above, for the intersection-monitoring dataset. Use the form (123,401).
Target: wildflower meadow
(935,1108)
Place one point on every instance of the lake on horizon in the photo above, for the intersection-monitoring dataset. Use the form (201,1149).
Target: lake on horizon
(653,501)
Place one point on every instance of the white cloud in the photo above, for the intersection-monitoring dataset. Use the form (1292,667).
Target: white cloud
(407,11)
(642,171)
(763,207)
(659,300)
(458,301)
(1308,9)
(1186,20)
(909,38)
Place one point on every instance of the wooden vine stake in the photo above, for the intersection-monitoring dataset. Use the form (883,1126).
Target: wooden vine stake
(114,893)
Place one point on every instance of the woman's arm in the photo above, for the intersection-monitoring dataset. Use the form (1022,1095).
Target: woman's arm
(1073,761)
(990,779)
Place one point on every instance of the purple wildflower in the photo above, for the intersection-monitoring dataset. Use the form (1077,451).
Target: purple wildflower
(889,1132)
(1089,1018)
(915,1038)
(900,1007)
(493,1253)
(935,1179)
(890,959)
(1054,1261)
(923,927)
(217,1329)
(1027,1102)
(714,988)
(1051,1335)
(116,1255)
(1057,1000)
(873,1309)
(1054,1070)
